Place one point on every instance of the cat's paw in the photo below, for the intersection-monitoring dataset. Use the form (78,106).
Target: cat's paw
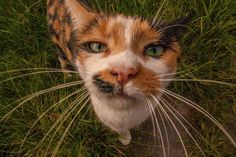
(124,141)
(125,138)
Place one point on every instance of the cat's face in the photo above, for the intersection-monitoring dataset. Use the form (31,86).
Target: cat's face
(123,57)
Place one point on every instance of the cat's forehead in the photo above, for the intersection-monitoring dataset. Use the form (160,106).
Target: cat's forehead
(121,32)
(131,27)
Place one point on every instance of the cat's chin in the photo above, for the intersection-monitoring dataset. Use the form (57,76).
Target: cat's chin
(119,100)
(117,96)
(123,96)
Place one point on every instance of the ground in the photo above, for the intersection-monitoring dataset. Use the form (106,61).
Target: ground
(209,52)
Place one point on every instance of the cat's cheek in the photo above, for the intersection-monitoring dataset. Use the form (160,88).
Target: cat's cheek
(81,69)
(164,69)
(88,68)
(158,66)
(95,64)
(89,64)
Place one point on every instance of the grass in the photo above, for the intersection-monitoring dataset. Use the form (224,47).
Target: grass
(209,52)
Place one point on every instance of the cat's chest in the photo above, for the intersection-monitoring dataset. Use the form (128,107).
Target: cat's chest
(113,115)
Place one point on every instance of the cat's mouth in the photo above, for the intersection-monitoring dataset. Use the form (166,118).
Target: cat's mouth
(110,89)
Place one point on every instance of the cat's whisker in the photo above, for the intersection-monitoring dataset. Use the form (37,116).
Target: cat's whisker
(191,70)
(164,102)
(62,117)
(33,69)
(200,80)
(67,129)
(34,73)
(174,126)
(184,72)
(187,122)
(165,129)
(45,112)
(203,111)
(175,25)
(27,98)
(158,127)
(45,91)
(175,73)
(154,21)
(153,123)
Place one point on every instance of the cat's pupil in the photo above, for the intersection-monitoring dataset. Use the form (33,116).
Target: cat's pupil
(97,47)
(155,50)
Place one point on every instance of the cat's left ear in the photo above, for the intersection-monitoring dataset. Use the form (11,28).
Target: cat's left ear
(80,13)
(176,28)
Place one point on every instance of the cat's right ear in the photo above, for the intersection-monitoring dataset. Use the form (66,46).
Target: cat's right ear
(176,28)
(80,13)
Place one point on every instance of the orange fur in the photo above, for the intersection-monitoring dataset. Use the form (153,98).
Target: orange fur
(146,81)
(82,56)
(113,36)
(171,56)
(106,76)
(143,35)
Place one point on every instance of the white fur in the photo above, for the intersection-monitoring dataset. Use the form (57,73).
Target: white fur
(128,30)
(128,116)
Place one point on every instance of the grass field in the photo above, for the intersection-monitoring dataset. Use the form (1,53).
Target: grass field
(209,53)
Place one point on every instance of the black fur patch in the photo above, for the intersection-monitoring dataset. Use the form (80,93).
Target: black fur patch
(61,53)
(51,30)
(86,4)
(176,28)
(103,86)
(172,31)
(72,45)
(54,16)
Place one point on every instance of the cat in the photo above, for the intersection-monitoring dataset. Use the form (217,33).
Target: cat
(125,62)
(122,59)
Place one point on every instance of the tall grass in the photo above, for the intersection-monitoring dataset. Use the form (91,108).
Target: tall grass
(209,52)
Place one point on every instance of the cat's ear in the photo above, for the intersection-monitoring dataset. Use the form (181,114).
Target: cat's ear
(176,28)
(79,11)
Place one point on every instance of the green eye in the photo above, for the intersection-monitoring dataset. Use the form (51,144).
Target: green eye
(97,47)
(154,50)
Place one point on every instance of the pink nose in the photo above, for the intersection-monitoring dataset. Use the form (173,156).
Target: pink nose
(123,75)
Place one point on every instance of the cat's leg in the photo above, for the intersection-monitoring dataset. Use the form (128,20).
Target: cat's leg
(124,137)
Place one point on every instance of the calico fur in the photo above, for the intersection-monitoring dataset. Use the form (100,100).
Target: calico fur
(121,78)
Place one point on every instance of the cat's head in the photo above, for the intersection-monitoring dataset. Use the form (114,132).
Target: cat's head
(123,56)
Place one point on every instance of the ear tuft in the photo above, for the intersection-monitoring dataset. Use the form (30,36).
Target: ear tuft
(183,20)
(176,28)
(80,13)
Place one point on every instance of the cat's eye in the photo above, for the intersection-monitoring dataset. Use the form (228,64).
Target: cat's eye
(97,47)
(154,50)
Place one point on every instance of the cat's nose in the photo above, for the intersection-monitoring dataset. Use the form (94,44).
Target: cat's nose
(123,75)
